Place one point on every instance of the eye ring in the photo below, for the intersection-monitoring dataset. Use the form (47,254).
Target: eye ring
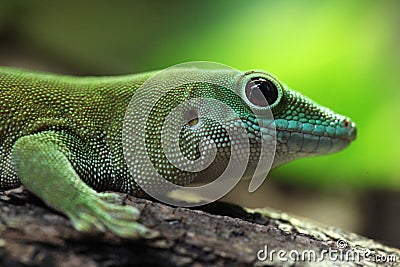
(262,92)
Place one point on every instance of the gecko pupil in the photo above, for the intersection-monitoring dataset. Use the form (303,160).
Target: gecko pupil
(260,89)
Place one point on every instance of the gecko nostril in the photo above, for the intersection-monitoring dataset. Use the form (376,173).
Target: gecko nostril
(351,128)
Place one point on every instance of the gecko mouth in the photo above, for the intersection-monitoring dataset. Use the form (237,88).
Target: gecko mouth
(319,140)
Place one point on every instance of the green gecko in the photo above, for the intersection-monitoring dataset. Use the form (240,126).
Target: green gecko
(61,137)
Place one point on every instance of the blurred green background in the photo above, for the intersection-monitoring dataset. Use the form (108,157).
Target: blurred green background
(343,54)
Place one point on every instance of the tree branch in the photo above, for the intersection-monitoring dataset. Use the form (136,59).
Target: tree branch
(219,234)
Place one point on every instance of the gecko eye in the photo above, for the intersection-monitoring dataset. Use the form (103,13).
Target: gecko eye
(259,89)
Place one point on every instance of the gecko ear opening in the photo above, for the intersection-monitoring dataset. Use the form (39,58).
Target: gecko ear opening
(192,117)
(261,92)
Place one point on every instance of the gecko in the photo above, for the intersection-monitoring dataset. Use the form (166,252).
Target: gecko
(61,136)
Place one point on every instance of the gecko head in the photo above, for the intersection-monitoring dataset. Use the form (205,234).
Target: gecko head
(267,107)
(268,110)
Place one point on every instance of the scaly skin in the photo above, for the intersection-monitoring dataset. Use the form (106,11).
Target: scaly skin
(61,137)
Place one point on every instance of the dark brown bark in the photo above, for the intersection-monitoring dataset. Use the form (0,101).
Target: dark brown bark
(217,235)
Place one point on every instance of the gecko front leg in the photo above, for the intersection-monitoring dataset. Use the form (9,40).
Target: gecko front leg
(43,164)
